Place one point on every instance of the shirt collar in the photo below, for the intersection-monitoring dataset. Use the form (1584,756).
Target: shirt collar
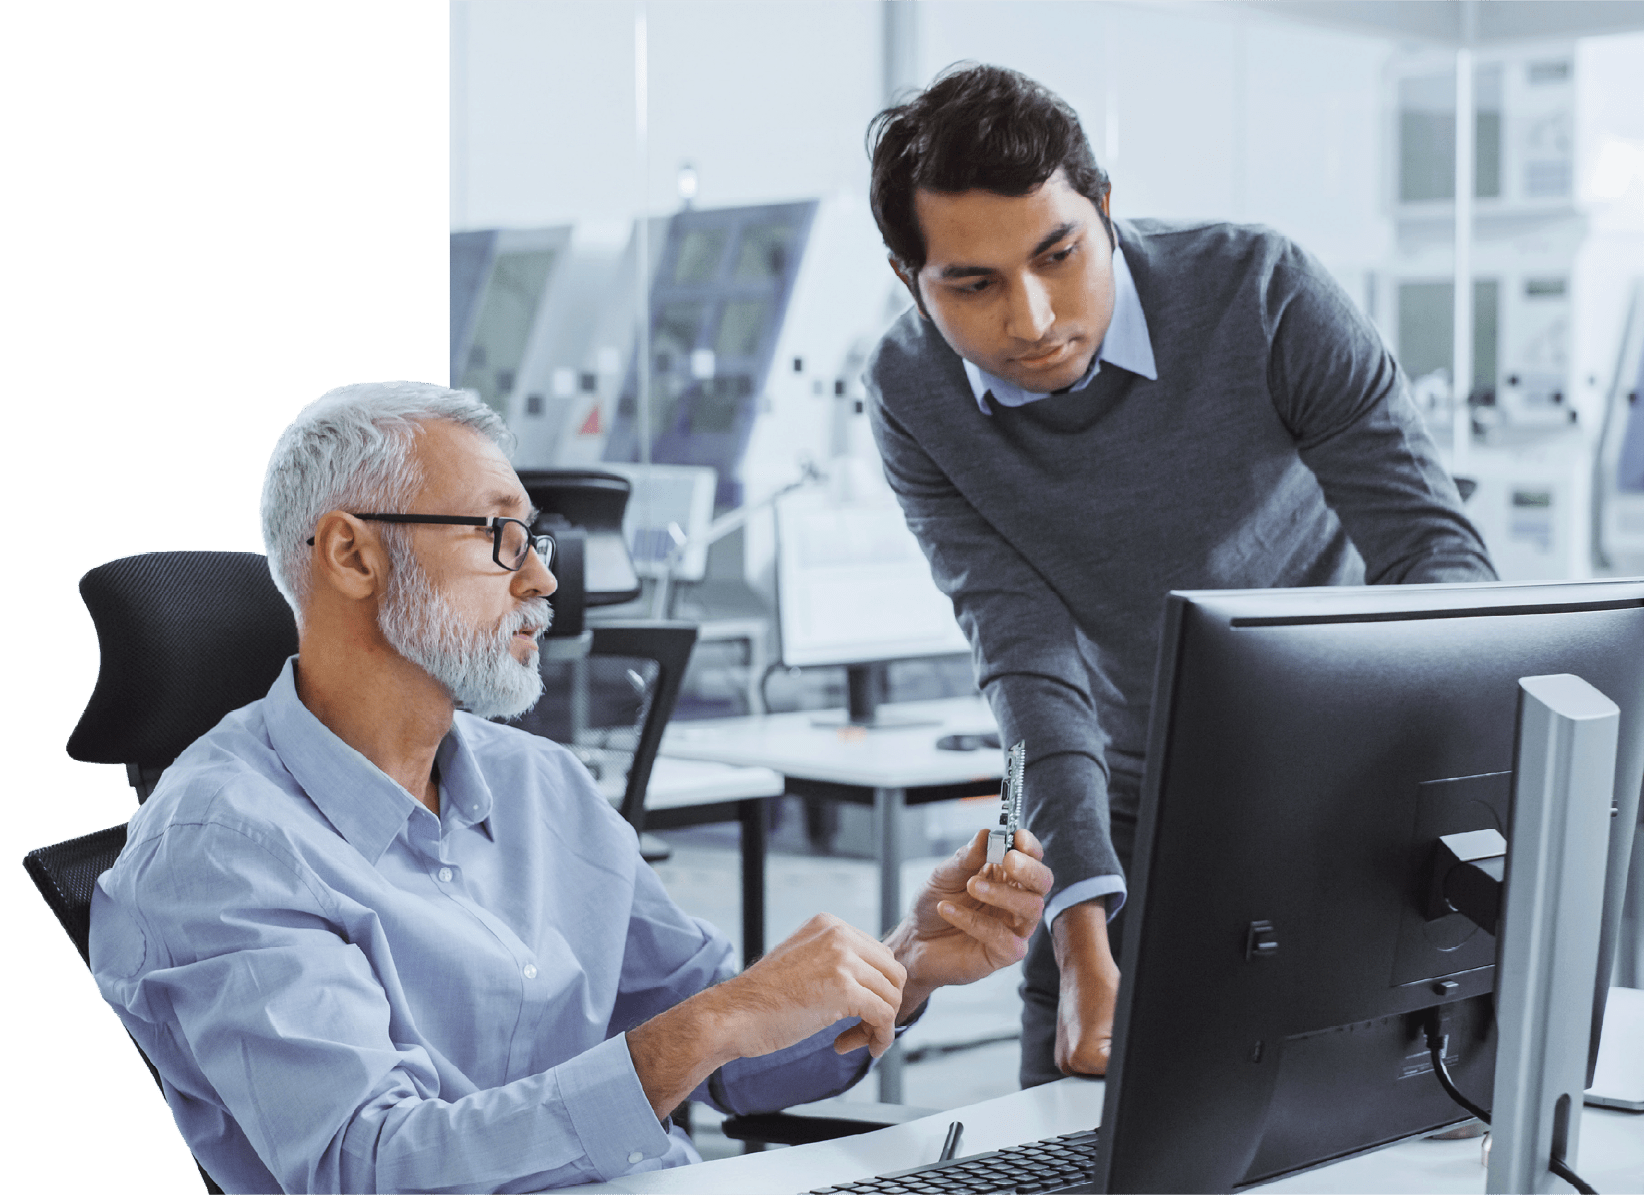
(1126,345)
(357,797)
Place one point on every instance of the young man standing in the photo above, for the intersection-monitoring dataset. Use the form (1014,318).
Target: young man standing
(1080,415)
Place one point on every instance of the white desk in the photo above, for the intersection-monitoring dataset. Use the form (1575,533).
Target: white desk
(889,767)
(683,783)
(891,757)
(896,766)
(1611,1156)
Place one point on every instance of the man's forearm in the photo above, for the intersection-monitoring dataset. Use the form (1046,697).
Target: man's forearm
(1089,988)
(1066,807)
(1079,936)
(675,1051)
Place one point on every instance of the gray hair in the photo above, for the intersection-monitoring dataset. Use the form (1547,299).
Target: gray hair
(351,450)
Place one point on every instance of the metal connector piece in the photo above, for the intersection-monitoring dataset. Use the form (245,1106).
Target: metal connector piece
(1010,805)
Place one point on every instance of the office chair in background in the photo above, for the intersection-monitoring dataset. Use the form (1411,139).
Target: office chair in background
(592,502)
(611,706)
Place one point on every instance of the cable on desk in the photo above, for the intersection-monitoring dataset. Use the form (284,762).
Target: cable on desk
(1438,1040)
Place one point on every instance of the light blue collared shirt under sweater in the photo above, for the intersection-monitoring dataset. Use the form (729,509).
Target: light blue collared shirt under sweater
(1126,345)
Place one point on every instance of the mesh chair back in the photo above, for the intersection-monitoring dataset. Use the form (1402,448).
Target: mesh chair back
(612,707)
(65,874)
(185,637)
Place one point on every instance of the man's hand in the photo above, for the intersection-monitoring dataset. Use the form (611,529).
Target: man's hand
(826,971)
(972,918)
(1090,985)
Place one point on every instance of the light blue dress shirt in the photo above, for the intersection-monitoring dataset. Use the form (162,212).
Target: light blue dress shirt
(1128,346)
(345,993)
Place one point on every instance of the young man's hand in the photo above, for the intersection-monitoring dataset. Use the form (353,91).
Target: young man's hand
(1089,988)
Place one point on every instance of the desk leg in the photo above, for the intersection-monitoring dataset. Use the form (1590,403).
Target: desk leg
(887,808)
(755,818)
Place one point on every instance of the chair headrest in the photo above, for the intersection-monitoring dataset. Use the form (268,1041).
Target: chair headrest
(185,637)
(588,498)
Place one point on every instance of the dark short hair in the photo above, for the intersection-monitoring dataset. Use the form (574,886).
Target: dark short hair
(975,128)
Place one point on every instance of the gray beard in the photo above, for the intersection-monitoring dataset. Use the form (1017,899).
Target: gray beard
(473,665)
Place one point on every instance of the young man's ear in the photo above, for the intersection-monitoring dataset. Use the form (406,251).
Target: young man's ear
(909,280)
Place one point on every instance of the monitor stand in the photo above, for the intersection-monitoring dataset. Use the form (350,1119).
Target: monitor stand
(864,691)
(1548,948)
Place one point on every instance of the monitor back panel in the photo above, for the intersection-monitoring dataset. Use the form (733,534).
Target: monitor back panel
(1304,757)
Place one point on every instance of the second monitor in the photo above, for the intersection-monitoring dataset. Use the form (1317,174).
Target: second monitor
(853,588)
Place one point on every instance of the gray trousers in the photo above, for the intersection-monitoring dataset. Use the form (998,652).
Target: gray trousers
(1041,979)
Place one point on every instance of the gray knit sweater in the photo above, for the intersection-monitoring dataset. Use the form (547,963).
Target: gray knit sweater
(1278,447)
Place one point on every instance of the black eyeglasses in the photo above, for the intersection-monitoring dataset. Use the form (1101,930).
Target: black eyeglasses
(511,539)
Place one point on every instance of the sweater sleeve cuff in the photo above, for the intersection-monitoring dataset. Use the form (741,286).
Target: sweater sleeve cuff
(609,1110)
(1092,889)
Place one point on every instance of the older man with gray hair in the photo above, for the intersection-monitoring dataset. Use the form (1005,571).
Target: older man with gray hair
(374,941)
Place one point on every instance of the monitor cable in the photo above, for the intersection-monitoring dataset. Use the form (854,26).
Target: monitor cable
(1438,1041)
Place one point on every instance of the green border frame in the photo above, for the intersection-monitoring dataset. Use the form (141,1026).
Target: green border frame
(217,211)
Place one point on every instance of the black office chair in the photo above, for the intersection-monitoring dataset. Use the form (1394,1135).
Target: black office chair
(184,637)
(611,707)
(593,502)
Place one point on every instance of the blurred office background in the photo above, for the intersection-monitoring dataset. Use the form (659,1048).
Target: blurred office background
(709,156)
(1334,123)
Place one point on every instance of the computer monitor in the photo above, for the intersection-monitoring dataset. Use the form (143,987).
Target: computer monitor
(668,499)
(1307,748)
(854,588)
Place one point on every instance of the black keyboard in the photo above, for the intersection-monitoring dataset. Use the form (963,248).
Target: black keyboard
(1055,1164)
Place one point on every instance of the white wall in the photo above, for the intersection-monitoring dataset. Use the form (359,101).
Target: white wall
(1198,110)
(1205,111)
(769,101)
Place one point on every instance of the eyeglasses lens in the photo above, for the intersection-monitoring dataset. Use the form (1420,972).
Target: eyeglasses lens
(517,540)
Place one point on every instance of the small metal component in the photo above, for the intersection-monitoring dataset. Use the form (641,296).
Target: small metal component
(1010,805)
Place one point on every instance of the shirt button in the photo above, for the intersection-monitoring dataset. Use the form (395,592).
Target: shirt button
(635,1158)
(530,970)
(445,875)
